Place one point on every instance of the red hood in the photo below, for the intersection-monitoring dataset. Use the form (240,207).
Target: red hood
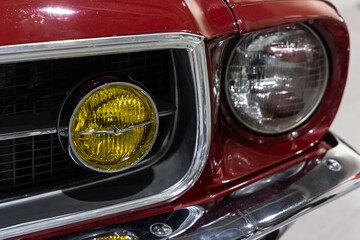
(243,2)
(25,21)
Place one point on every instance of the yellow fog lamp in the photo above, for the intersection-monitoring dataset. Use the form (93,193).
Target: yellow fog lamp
(106,235)
(116,237)
(113,127)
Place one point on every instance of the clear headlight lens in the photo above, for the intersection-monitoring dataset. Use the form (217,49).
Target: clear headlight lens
(113,127)
(276,78)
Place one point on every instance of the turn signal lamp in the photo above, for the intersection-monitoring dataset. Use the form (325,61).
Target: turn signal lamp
(113,127)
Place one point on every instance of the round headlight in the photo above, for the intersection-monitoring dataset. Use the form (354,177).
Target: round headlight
(113,127)
(276,78)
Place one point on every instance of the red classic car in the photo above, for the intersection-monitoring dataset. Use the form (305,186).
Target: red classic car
(181,119)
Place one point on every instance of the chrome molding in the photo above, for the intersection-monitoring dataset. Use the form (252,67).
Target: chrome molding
(116,131)
(47,126)
(255,215)
(195,48)
(27,125)
(268,181)
(30,133)
(195,213)
(167,226)
(94,46)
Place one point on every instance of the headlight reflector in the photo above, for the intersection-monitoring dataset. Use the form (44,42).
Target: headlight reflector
(276,78)
(113,127)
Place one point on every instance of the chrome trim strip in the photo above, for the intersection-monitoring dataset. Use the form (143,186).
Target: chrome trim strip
(195,213)
(178,221)
(167,113)
(194,44)
(116,131)
(94,46)
(45,131)
(31,133)
(26,125)
(268,181)
(255,215)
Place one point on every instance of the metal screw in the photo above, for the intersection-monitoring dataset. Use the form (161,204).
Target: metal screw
(333,165)
(64,131)
(160,229)
(294,134)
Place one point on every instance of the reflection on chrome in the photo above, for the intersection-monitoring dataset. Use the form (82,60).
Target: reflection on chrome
(163,226)
(268,181)
(195,213)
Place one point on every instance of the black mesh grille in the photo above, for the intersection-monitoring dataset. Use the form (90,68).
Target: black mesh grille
(28,164)
(34,87)
(38,163)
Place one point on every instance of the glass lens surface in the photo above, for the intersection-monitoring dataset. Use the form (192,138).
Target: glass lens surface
(114,127)
(276,78)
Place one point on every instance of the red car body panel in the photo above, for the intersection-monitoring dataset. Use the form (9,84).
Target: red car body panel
(42,21)
(237,157)
(270,13)
(247,2)
(242,152)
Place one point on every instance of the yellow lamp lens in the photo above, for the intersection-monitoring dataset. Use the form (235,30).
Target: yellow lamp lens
(113,127)
(116,237)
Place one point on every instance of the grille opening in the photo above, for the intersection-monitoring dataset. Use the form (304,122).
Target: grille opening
(35,164)
(40,86)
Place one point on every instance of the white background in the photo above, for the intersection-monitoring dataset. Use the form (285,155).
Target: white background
(341,218)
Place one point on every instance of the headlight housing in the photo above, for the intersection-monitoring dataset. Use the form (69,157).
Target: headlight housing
(276,78)
(113,127)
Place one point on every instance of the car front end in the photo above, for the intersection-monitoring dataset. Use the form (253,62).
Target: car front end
(169,119)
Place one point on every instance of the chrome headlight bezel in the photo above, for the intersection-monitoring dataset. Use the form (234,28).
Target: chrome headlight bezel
(296,124)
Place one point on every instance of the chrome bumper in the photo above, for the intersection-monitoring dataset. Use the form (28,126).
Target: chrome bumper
(240,216)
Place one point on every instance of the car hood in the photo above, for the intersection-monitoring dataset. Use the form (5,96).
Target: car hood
(243,2)
(38,21)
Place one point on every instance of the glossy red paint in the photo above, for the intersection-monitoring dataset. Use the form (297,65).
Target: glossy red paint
(40,21)
(237,153)
(245,2)
(238,158)
(269,14)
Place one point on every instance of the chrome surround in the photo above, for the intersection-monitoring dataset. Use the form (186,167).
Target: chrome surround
(21,134)
(303,119)
(94,46)
(72,152)
(194,44)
